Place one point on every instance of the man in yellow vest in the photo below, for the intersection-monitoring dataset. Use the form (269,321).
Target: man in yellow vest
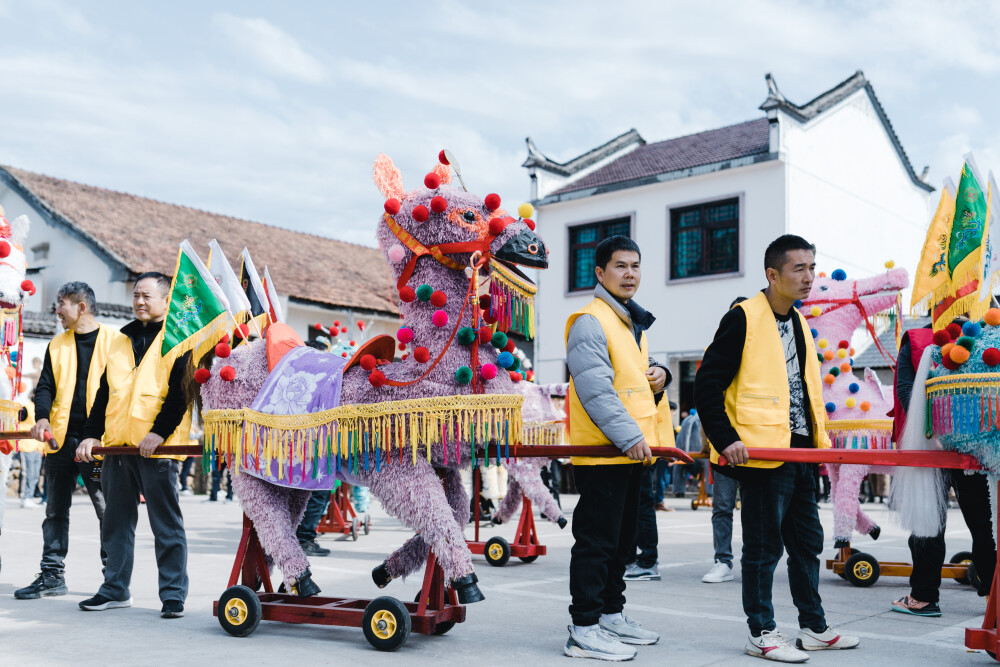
(71,372)
(610,402)
(141,403)
(759,386)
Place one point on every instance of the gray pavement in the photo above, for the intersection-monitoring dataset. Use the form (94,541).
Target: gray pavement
(523,619)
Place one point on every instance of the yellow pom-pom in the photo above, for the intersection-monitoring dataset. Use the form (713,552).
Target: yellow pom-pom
(841,353)
(890,264)
(822,342)
(851,402)
(525,210)
(815,311)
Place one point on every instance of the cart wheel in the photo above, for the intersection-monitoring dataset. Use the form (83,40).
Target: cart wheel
(386,623)
(861,570)
(853,551)
(443,627)
(962,557)
(694,504)
(497,551)
(354,529)
(368,523)
(528,559)
(239,611)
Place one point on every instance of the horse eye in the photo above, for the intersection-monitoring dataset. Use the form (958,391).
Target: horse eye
(823,288)
(469,216)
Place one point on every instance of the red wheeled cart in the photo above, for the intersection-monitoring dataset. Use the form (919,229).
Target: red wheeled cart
(341,517)
(498,550)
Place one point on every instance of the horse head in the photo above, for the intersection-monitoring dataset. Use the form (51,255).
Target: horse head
(14,289)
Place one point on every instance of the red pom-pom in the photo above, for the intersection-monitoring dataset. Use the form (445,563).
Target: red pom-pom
(336,324)
(343,354)
(343,329)
(492,201)
(488,371)
(404,334)
(509,347)
(439,204)
(515,376)
(352,343)
(407,294)
(843,345)
(421,355)
(242,331)
(949,364)
(225,339)
(392,205)
(28,286)
(488,317)
(442,159)
(991,356)
(318,326)
(497,225)
(334,331)
(402,346)
(4,249)
(432,181)
(420,213)
(439,299)
(202,375)
(227,373)
(484,301)
(954,331)
(530,223)
(377,378)
(439,318)
(404,357)
(941,338)
(485,334)
(361,325)
(368,362)
(222,350)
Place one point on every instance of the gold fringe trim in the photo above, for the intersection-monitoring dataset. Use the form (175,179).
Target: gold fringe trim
(543,433)
(9,413)
(200,342)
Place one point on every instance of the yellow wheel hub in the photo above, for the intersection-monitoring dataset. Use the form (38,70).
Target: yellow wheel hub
(862,570)
(384,624)
(236,611)
(496,552)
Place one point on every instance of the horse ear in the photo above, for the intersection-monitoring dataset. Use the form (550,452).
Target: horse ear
(443,171)
(387,177)
(19,229)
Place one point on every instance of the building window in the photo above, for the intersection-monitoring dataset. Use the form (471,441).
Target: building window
(583,240)
(705,239)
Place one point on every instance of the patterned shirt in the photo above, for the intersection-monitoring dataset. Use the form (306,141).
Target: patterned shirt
(796,412)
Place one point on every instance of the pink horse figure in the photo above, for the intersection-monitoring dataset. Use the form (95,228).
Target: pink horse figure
(543,424)
(443,246)
(856,409)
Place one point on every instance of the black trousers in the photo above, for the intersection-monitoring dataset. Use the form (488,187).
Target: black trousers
(646,536)
(973,493)
(604,527)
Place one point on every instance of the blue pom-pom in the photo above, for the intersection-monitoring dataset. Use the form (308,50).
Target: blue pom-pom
(854,388)
(814,332)
(798,303)
(971,329)
(839,274)
(13,355)
(830,407)
(505,360)
(852,362)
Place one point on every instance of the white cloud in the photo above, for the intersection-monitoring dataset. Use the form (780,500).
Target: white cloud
(271,48)
(66,15)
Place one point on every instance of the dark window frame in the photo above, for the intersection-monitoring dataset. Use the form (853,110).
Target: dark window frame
(706,226)
(601,225)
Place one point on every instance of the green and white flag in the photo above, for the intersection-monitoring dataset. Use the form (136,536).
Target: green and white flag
(197,310)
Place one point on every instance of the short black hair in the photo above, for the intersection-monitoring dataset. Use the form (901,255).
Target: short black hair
(776,255)
(608,246)
(162,280)
(738,300)
(79,292)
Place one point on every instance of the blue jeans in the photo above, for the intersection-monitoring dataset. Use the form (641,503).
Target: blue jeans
(315,509)
(780,514)
(661,480)
(681,472)
(31,466)
(723,504)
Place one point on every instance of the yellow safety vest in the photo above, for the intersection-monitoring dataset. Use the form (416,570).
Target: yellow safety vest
(758,400)
(136,395)
(62,353)
(31,445)
(630,363)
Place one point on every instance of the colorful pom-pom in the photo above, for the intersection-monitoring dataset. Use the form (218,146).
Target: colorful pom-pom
(949,364)
(797,303)
(505,359)
(492,201)
(334,331)
(360,324)
(404,334)
(851,402)
(396,253)
(368,362)
(841,354)
(227,373)
(815,311)
(432,181)
(202,375)
(485,301)
(946,349)
(225,339)
(343,329)
(525,210)
(336,324)
(485,334)
(830,407)
(401,346)
(466,335)
(814,333)
(499,340)
(463,375)
(890,264)
(530,223)
(819,355)
(992,317)
(854,388)
(421,355)
(420,213)
(28,286)
(959,354)
(509,347)
(439,299)
(822,342)
(439,318)
(845,367)
(971,329)
(839,274)
(941,338)
(497,225)
(516,365)
(4,249)
(515,377)
(376,378)
(865,406)
(991,356)
(352,343)
(392,205)
(487,371)
(424,292)
(968,342)
(439,204)
(827,355)
(242,331)
(954,330)
(223,350)
(834,371)
(843,345)
(489,317)
(829,378)
(442,158)
(318,326)
(406,294)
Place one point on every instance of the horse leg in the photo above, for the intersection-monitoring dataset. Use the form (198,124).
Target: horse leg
(512,501)
(845,500)
(529,477)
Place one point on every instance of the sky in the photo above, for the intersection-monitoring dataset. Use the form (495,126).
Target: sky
(274,112)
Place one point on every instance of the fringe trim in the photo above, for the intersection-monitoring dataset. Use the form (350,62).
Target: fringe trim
(200,342)
(364,436)
(963,404)
(543,433)
(512,300)
(860,433)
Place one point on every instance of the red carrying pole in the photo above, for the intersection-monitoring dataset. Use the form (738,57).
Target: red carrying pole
(872,457)
(176,450)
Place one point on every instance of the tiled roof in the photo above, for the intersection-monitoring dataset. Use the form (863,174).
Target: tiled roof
(870,357)
(622,141)
(694,150)
(143,235)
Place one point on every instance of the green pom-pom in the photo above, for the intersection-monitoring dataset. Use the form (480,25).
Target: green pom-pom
(514,366)
(834,371)
(968,342)
(424,292)
(499,340)
(466,335)
(819,355)
(463,375)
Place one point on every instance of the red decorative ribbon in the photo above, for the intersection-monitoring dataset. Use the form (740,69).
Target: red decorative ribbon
(855,300)
(438,252)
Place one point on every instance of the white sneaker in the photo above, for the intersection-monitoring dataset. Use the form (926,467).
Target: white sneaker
(720,572)
(635,573)
(828,639)
(628,631)
(598,644)
(772,645)
(29,503)
(185,492)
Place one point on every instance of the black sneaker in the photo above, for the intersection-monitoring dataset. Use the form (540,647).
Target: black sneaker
(45,585)
(311,548)
(100,603)
(172,609)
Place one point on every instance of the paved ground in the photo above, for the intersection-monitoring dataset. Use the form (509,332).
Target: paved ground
(523,618)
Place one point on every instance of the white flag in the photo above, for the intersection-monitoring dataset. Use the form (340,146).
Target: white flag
(223,273)
(272,297)
(254,277)
(991,254)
